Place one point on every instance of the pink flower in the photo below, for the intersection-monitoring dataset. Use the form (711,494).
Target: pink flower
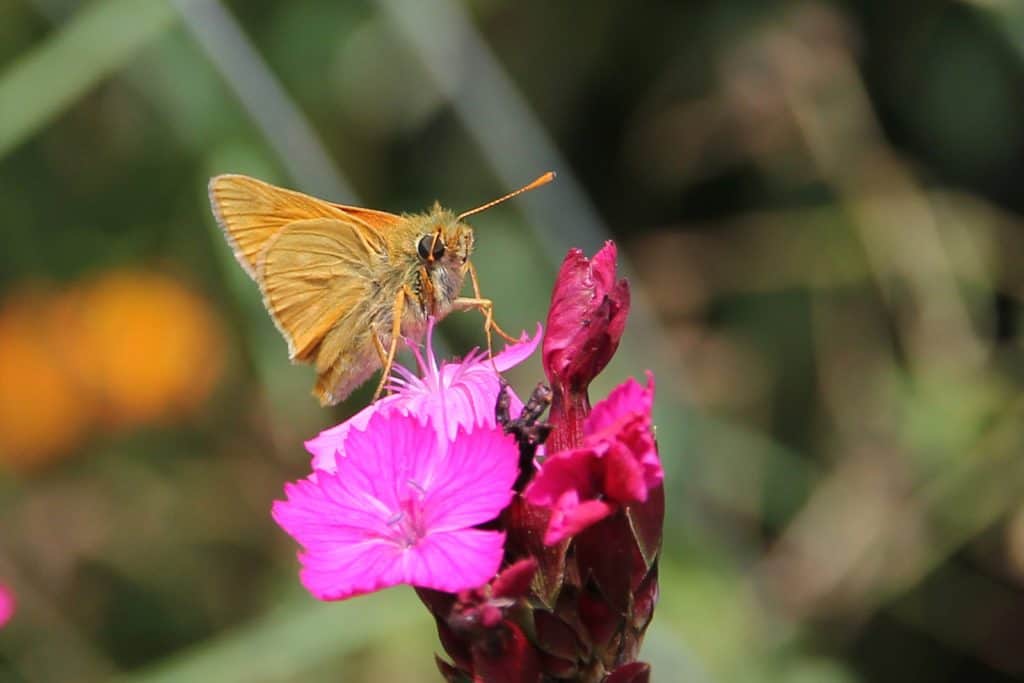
(616,464)
(401,508)
(7,604)
(586,320)
(452,395)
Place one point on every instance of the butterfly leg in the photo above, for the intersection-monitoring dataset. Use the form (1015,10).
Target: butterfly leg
(396,330)
(486,306)
(382,355)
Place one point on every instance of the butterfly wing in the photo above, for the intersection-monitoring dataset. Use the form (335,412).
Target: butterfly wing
(316,264)
(315,272)
(251,212)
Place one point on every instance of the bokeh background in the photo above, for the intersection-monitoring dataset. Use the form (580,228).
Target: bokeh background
(819,206)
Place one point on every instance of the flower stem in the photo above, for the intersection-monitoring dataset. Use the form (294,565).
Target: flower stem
(569,407)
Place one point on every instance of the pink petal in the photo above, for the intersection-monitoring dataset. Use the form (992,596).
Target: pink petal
(623,420)
(569,516)
(452,395)
(474,481)
(629,397)
(331,442)
(8,604)
(466,397)
(514,580)
(617,465)
(393,451)
(569,470)
(654,474)
(623,476)
(514,354)
(454,561)
(346,571)
(399,509)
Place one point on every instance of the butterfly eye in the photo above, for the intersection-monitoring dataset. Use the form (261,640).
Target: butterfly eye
(430,247)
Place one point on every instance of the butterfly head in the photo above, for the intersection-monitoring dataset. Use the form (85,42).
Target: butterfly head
(445,242)
(443,248)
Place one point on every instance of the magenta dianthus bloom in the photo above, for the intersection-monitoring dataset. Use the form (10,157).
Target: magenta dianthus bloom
(534,544)
(401,509)
(7,604)
(451,394)
(616,464)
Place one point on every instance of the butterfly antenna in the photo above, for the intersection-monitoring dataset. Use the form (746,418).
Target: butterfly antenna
(543,180)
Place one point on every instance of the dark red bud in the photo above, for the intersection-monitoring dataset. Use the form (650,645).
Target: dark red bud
(607,555)
(555,637)
(647,520)
(586,319)
(644,600)
(526,527)
(505,656)
(439,604)
(601,621)
(585,323)
(559,668)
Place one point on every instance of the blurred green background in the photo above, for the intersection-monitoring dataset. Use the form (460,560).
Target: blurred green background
(819,206)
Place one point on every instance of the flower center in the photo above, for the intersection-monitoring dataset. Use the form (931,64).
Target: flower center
(407,524)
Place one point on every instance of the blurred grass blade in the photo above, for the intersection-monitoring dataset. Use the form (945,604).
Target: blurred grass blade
(283,124)
(497,117)
(93,44)
(1008,16)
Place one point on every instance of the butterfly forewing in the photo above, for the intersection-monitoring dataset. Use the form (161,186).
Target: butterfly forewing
(315,264)
(251,212)
(314,273)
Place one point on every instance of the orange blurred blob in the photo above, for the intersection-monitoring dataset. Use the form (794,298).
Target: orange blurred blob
(125,349)
(43,413)
(147,347)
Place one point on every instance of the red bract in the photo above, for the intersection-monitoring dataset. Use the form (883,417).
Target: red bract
(615,464)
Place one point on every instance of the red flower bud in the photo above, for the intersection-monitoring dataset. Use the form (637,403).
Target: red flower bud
(585,323)
(505,656)
(587,318)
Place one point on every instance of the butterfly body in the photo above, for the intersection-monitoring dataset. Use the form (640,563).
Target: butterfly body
(344,283)
(348,354)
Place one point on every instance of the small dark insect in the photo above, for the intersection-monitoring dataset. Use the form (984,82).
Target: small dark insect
(528,429)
